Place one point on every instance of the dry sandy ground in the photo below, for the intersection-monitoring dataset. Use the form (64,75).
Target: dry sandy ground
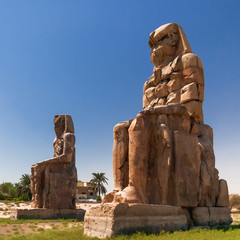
(236,218)
(5,208)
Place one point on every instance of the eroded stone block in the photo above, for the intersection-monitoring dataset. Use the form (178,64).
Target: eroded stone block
(161,90)
(173,85)
(109,220)
(195,109)
(200,216)
(189,93)
(219,216)
(173,97)
(193,74)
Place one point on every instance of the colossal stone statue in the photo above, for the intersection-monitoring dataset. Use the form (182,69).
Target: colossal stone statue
(163,159)
(165,155)
(54,181)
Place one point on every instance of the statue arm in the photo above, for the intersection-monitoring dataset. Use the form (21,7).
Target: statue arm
(68,150)
(61,159)
(68,144)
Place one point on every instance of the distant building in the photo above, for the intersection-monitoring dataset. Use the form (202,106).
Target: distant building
(85,191)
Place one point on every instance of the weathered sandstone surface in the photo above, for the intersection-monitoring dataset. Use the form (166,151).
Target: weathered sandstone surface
(109,220)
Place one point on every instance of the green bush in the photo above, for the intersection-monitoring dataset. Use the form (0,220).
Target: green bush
(98,198)
(24,197)
(1,196)
(12,192)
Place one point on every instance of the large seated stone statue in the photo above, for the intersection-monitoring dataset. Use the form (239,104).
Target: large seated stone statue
(163,159)
(165,154)
(54,181)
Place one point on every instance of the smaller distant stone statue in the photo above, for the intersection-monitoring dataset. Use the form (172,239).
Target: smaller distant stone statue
(54,181)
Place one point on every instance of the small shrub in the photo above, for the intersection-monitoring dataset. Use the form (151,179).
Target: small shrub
(40,229)
(24,197)
(1,196)
(98,198)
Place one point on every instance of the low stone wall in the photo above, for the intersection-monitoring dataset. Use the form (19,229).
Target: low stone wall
(41,213)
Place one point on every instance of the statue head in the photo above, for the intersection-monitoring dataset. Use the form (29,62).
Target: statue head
(168,41)
(63,123)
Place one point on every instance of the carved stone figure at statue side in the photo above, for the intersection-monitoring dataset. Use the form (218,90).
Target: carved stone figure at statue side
(165,154)
(54,181)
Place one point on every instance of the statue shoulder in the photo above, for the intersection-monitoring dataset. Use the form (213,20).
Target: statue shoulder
(69,138)
(191,60)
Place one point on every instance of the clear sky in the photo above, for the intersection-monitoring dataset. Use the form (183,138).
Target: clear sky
(90,59)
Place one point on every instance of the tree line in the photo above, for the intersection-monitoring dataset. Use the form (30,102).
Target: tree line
(20,191)
(234,202)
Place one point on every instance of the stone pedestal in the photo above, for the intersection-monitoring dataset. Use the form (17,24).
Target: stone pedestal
(41,213)
(108,220)
(211,216)
(111,219)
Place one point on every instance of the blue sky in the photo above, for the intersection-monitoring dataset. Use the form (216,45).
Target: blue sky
(90,59)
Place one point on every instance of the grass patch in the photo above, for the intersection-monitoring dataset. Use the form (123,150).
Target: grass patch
(65,224)
(32,226)
(4,221)
(40,229)
(76,233)
(54,226)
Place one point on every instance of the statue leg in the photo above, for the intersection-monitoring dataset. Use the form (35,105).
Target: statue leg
(36,186)
(162,156)
(139,144)
(120,155)
(163,174)
(46,188)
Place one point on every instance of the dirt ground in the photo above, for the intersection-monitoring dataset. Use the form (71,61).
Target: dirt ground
(25,228)
(236,218)
(5,208)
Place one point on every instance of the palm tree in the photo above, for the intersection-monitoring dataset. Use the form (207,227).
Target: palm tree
(98,179)
(24,187)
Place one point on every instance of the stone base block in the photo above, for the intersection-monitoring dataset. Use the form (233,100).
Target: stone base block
(211,216)
(41,213)
(108,220)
